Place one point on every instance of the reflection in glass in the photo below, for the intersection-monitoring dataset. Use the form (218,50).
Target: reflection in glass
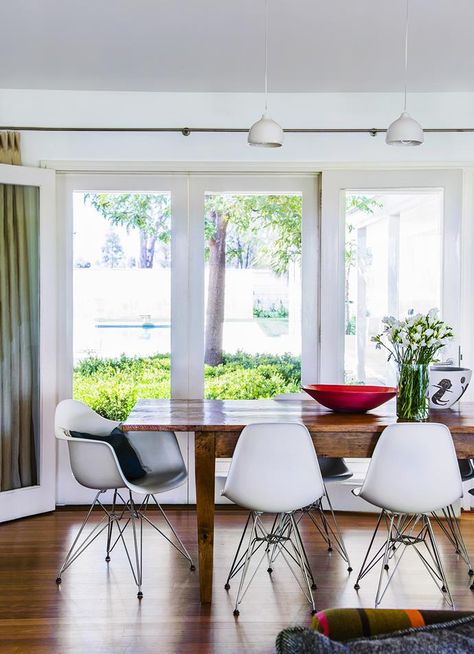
(393,255)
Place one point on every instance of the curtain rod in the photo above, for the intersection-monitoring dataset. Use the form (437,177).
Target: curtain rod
(187,131)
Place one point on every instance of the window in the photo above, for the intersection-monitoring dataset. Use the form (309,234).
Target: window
(393,256)
(252,295)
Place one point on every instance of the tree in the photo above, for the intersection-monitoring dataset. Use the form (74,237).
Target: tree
(112,251)
(272,222)
(149,213)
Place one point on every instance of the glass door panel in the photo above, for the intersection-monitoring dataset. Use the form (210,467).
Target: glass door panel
(390,245)
(252,295)
(393,265)
(122,298)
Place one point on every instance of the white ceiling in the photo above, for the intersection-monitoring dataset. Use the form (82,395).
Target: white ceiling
(217,45)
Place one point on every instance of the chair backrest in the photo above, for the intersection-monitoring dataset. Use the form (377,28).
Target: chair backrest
(274,468)
(413,469)
(94,464)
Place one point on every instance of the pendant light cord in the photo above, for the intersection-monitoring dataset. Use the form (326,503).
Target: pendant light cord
(266,55)
(406,58)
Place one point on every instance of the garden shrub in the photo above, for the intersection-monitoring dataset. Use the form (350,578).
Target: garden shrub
(112,386)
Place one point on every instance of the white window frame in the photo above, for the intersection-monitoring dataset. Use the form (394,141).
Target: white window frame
(334,185)
(307,185)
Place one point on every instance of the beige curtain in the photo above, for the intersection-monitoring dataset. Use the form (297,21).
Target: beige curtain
(19,325)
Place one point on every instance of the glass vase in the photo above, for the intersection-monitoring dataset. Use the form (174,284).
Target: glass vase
(412,398)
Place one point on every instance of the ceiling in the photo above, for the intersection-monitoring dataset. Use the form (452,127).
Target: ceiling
(217,45)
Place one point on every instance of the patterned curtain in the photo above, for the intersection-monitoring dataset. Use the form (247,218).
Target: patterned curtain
(19,325)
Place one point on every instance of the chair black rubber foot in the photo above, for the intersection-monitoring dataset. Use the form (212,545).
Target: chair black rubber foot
(227,586)
(140,594)
(443,589)
(471,587)
(329,549)
(386,567)
(349,569)
(58,580)
(313,586)
(356,586)
(107,558)
(313,611)
(470,572)
(269,570)
(192,567)
(236,613)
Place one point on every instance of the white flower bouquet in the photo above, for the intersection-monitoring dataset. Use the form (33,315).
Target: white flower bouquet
(413,344)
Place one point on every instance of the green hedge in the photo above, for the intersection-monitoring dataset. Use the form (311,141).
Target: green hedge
(112,386)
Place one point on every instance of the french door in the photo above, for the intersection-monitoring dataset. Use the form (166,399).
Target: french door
(255,305)
(390,243)
(28,341)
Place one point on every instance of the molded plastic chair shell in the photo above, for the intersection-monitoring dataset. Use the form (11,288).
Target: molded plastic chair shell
(95,465)
(413,469)
(274,469)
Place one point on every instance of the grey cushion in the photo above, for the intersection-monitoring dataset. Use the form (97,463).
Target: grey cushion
(453,637)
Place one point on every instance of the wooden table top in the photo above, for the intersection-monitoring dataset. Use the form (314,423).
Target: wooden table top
(234,415)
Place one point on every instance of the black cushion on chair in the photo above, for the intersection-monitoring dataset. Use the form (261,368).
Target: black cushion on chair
(126,455)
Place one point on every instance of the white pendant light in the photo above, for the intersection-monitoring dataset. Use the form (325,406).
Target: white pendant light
(266,133)
(405,130)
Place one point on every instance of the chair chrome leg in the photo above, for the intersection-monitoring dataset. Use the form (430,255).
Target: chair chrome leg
(437,560)
(110,527)
(402,532)
(328,529)
(303,563)
(77,549)
(236,561)
(283,538)
(452,531)
(180,545)
(365,567)
(248,556)
(137,529)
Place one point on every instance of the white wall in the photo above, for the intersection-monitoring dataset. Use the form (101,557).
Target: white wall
(330,110)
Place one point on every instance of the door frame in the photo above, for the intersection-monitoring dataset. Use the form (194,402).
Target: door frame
(40,498)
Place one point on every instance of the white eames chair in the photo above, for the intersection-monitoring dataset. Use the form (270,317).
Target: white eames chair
(95,465)
(413,472)
(332,470)
(274,470)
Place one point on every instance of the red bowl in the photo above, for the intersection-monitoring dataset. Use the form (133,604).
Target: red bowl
(350,399)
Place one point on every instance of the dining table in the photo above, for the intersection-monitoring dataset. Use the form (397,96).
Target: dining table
(217,425)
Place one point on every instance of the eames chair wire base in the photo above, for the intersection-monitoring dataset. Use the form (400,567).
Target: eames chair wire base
(404,530)
(120,516)
(328,528)
(452,531)
(284,538)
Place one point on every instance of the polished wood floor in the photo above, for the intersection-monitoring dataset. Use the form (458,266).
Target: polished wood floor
(96,611)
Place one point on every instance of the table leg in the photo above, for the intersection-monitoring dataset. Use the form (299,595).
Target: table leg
(205,466)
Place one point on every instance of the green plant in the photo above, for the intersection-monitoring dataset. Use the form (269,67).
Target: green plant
(273,311)
(112,386)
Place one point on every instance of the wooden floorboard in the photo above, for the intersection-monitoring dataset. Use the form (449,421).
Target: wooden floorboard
(96,611)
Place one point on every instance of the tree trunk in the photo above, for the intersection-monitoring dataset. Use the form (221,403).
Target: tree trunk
(216,293)
(147,250)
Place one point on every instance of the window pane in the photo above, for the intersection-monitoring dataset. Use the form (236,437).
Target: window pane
(393,255)
(253,297)
(121,299)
